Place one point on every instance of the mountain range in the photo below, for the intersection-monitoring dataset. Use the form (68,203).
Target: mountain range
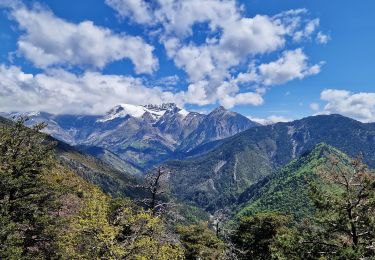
(217,178)
(214,160)
(138,137)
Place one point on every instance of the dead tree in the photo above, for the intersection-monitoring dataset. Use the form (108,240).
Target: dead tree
(156,186)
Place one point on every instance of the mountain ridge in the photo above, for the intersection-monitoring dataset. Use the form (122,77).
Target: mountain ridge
(143,135)
(286,191)
(217,177)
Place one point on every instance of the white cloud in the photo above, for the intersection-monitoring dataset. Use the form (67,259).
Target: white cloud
(322,38)
(230,40)
(11,3)
(314,106)
(291,65)
(306,33)
(196,61)
(228,96)
(59,91)
(196,94)
(167,81)
(360,106)
(137,10)
(47,40)
(240,39)
(270,120)
(213,62)
(178,17)
(248,98)
(256,35)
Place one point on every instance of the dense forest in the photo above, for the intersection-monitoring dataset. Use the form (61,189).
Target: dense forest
(321,206)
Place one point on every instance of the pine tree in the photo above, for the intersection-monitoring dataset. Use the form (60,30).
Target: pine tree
(256,236)
(25,200)
(200,242)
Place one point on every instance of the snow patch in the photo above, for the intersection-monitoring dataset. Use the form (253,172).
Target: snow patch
(124,110)
(137,111)
(183,112)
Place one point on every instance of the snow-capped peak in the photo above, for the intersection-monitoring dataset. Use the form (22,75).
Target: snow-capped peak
(183,112)
(23,114)
(138,111)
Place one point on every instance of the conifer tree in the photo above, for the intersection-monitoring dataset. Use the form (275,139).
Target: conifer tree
(25,200)
(255,236)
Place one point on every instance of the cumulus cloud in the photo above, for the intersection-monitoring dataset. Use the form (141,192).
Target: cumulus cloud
(306,33)
(228,96)
(137,10)
(231,40)
(291,65)
(214,63)
(176,16)
(273,119)
(322,38)
(59,91)
(247,98)
(47,41)
(196,94)
(239,39)
(360,106)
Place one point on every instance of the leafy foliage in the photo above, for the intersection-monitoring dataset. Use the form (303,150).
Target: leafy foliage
(261,236)
(345,219)
(49,212)
(340,193)
(200,242)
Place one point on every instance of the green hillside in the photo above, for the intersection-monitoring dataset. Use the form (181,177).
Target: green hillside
(49,212)
(215,179)
(286,191)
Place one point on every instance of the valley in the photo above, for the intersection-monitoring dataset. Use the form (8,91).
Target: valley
(220,180)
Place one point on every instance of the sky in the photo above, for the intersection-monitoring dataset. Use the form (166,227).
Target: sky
(270,60)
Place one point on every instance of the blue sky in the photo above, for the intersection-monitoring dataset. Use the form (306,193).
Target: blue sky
(271,60)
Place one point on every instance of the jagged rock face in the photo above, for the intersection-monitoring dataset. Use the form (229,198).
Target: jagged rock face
(144,135)
(219,124)
(179,126)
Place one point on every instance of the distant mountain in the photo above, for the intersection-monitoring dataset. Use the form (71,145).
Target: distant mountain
(218,177)
(218,124)
(141,136)
(286,191)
